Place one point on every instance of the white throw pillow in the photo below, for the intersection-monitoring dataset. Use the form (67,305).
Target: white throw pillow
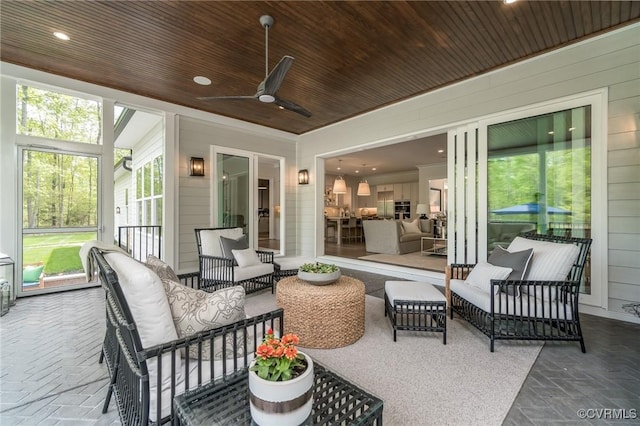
(246,257)
(411,227)
(194,311)
(550,262)
(482,274)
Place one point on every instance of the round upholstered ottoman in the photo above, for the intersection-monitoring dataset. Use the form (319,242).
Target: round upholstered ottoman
(327,316)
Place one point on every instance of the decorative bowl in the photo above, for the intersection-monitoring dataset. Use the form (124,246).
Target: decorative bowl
(315,278)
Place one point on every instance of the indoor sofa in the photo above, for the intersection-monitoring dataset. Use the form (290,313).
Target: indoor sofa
(396,236)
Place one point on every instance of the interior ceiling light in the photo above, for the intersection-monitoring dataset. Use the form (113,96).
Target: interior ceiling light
(440,151)
(201,80)
(363,187)
(339,185)
(509,1)
(61,36)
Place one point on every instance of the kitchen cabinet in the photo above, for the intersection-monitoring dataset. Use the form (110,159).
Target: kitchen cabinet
(402,191)
(384,187)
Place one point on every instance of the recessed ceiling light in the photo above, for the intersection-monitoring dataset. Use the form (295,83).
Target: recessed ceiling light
(571,129)
(203,81)
(62,36)
(280,106)
(357,171)
(509,1)
(551,132)
(374,169)
(440,151)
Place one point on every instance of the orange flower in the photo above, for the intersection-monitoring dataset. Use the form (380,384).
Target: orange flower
(264,351)
(291,352)
(290,339)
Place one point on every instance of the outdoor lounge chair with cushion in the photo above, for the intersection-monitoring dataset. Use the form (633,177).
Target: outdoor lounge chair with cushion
(149,357)
(224,260)
(528,291)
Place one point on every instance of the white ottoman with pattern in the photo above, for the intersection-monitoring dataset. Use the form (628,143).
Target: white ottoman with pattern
(416,306)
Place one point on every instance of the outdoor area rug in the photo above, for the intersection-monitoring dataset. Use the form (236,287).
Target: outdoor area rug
(412,260)
(420,380)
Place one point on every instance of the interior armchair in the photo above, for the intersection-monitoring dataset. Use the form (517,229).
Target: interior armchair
(225,259)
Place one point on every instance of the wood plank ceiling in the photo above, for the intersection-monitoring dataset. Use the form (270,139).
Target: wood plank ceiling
(350,57)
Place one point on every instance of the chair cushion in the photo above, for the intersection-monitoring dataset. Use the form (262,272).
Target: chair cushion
(230,244)
(210,240)
(146,298)
(246,257)
(550,262)
(525,305)
(482,274)
(150,309)
(162,269)
(412,290)
(194,311)
(248,272)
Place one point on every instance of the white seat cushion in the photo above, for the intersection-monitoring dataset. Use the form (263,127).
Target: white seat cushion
(241,274)
(528,306)
(412,290)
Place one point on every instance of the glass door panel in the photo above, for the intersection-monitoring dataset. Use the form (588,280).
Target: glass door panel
(539,178)
(59,213)
(233,181)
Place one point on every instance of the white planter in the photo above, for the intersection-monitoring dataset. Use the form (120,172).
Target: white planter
(319,279)
(285,403)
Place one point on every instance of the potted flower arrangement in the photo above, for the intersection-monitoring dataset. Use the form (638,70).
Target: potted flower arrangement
(319,273)
(280,382)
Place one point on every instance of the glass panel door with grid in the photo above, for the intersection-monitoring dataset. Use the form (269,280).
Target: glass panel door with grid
(60,212)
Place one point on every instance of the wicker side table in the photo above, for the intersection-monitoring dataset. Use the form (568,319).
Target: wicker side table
(324,317)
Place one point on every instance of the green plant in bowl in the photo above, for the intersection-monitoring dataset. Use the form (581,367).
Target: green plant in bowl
(319,273)
(319,268)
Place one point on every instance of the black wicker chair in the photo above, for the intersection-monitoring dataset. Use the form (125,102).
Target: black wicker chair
(129,363)
(217,272)
(550,314)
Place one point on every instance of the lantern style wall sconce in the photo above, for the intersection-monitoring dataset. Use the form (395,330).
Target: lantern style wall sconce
(303,177)
(196,166)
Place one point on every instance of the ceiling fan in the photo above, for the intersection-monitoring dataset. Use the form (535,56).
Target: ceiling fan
(269,86)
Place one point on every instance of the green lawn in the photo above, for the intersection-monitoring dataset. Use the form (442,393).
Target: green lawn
(58,252)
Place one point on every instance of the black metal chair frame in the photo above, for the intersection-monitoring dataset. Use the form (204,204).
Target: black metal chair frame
(127,360)
(225,273)
(515,320)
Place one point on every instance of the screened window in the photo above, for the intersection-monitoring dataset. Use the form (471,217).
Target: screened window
(149,192)
(53,115)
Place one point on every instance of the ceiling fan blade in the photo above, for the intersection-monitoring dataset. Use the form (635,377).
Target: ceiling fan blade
(288,105)
(274,79)
(232,98)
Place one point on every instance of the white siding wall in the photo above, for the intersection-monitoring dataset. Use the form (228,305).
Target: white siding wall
(611,61)
(195,139)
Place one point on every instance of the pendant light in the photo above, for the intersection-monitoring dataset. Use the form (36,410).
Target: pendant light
(339,185)
(363,187)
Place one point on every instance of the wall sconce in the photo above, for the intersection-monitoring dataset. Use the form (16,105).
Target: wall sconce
(303,177)
(196,166)
(117,210)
